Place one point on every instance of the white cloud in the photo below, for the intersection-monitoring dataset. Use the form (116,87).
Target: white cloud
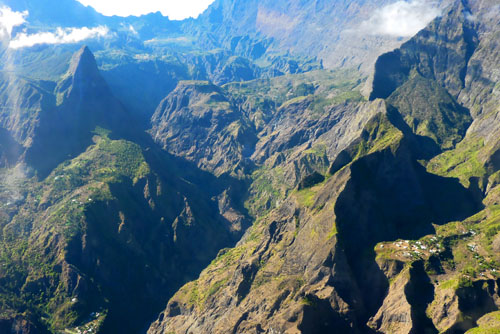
(60,36)
(174,9)
(10,19)
(402,18)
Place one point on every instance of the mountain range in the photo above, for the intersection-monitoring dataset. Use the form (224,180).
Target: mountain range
(268,167)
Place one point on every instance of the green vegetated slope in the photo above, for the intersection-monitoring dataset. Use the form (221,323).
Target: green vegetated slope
(487,324)
(35,252)
(121,224)
(142,80)
(99,226)
(104,233)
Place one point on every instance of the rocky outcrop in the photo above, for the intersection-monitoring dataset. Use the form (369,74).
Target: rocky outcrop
(115,225)
(451,53)
(200,123)
(430,111)
(38,116)
(115,222)
(23,102)
(142,85)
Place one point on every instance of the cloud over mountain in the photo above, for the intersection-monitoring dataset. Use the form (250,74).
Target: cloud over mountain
(10,19)
(402,18)
(60,36)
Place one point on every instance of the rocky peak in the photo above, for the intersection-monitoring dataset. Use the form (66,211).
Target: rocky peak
(84,102)
(200,90)
(83,62)
(83,75)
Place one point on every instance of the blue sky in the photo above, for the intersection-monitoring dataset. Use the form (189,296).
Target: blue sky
(174,9)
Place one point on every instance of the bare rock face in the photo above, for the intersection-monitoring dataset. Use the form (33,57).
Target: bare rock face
(115,222)
(394,315)
(251,298)
(378,191)
(457,52)
(440,52)
(404,307)
(456,311)
(227,134)
(327,233)
(23,104)
(296,124)
(10,149)
(199,122)
(38,116)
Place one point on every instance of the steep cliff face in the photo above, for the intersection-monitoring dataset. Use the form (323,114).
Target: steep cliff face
(116,227)
(452,52)
(270,132)
(52,121)
(10,150)
(430,110)
(272,281)
(239,127)
(142,83)
(199,122)
(439,52)
(23,102)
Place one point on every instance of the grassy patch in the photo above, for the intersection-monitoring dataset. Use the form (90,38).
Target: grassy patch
(378,134)
(449,284)
(268,187)
(333,232)
(488,324)
(462,162)
(306,196)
